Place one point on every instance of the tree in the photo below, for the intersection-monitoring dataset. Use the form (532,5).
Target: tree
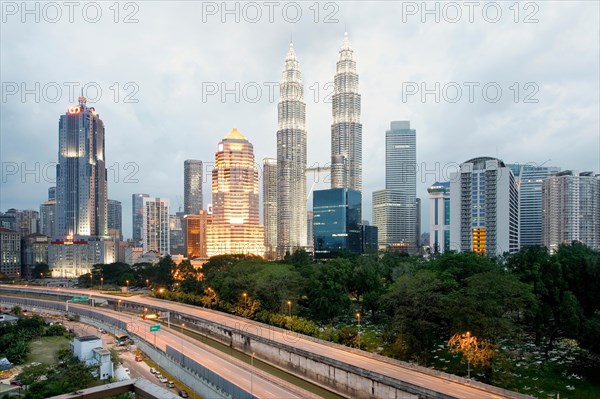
(41,269)
(473,350)
(328,293)
(16,310)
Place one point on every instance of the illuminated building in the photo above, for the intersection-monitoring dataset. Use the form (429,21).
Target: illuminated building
(571,209)
(484,208)
(81,189)
(195,229)
(337,222)
(155,225)
(192,187)
(291,159)
(346,129)
(235,228)
(10,253)
(75,256)
(34,250)
(270,206)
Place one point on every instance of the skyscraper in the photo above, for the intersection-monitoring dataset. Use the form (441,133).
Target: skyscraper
(571,209)
(114,219)
(270,206)
(192,187)
(195,232)
(155,225)
(137,216)
(235,228)
(291,158)
(484,208)
(346,129)
(81,189)
(395,208)
(529,182)
(48,214)
(439,217)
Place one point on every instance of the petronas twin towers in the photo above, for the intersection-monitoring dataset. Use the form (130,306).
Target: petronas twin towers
(346,146)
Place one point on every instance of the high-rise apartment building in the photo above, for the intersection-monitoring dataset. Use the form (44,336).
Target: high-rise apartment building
(192,186)
(26,221)
(81,185)
(571,209)
(137,216)
(337,220)
(235,228)
(155,225)
(484,208)
(269,186)
(346,129)
(291,158)
(114,219)
(439,217)
(529,182)
(395,207)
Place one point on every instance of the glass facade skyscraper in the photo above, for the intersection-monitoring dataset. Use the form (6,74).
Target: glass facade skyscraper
(114,219)
(270,206)
(137,216)
(81,189)
(192,187)
(337,218)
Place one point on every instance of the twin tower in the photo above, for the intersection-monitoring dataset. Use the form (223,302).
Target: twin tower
(289,233)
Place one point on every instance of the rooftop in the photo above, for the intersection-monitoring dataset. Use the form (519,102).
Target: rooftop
(88,338)
(235,135)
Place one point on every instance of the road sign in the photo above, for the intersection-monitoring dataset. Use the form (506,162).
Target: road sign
(80,299)
(155,328)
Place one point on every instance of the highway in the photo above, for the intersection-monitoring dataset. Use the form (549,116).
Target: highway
(393,370)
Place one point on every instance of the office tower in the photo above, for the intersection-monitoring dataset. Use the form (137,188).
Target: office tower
(418,223)
(529,182)
(309,229)
(114,219)
(439,217)
(137,216)
(34,250)
(71,257)
(269,186)
(369,239)
(484,208)
(10,253)
(155,225)
(346,129)
(571,209)
(195,229)
(192,187)
(81,189)
(395,207)
(48,214)
(291,159)
(337,216)
(176,234)
(235,228)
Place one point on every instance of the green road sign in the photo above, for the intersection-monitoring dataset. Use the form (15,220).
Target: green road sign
(155,328)
(80,299)
(83,298)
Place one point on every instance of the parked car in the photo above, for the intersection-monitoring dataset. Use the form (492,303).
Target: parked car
(163,380)
(170,384)
(158,375)
(183,394)
(16,382)
(152,370)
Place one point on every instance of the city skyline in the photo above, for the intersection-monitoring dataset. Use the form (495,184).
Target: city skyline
(565,116)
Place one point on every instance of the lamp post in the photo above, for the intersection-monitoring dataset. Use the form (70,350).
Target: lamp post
(469,355)
(182,325)
(358,319)
(147,283)
(119,305)
(127,282)
(101,283)
(289,303)
(91,280)
(252,374)
(245,297)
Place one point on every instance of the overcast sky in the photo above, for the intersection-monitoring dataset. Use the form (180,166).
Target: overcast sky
(158,78)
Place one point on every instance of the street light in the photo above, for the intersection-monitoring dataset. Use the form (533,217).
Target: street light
(127,282)
(358,318)
(252,374)
(147,283)
(91,280)
(101,283)
(119,305)
(290,314)
(469,357)
(245,296)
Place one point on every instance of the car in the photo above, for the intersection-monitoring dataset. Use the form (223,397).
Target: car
(170,384)
(183,394)
(152,370)
(158,375)
(102,331)
(163,380)
(16,382)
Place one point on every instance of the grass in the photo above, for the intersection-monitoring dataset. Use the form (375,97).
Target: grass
(45,349)
(178,383)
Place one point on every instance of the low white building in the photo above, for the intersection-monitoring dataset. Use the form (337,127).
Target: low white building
(89,349)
